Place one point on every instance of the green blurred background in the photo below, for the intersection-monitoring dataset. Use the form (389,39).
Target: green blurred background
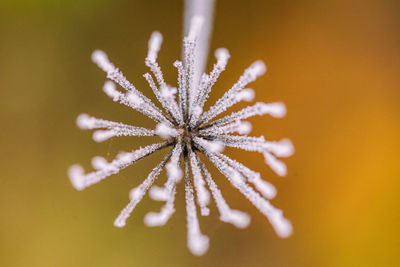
(334,63)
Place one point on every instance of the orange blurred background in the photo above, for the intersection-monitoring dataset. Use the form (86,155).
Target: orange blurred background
(334,63)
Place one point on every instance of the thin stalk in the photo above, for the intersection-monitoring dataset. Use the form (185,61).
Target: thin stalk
(204,8)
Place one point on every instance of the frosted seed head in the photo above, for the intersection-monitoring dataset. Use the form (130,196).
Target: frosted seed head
(84,121)
(101,60)
(99,162)
(236,174)
(76,176)
(154,44)
(102,135)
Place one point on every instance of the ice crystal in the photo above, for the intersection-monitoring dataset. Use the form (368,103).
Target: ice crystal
(187,130)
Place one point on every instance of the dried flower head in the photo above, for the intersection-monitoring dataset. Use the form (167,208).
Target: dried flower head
(188,131)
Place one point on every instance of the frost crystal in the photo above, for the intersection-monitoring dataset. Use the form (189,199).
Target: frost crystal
(187,130)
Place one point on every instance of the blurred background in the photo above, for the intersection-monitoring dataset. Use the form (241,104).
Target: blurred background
(335,64)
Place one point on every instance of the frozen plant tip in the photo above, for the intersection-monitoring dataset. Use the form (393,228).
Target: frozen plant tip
(187,132)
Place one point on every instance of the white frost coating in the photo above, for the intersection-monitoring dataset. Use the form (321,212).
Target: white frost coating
(100,136)
(110,89)
(146,106)
(102,61)
(207,81)
(222,55)
(160,218)
(196,112)
(136,194)
(260,145)
(164,94)
(181,85)
(103,135)
(276,110)
(230,97)
(167,193)
(173,170)
(84,121)
(99,163)
(158,193)
(256,69)
(276,165)
(164,131)
(282,148)
(244,127)
(248,143)
(174,176)
(267,189)
(168,92)
(80,180)
(155,42)
(134,100)
(281,225)
(212,146)
(87,122)
(196,241)
(76,175)
(203,196)
(235,217)
(246,95)
(241,127)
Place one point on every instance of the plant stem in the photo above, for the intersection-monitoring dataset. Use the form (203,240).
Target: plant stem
(204,8)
